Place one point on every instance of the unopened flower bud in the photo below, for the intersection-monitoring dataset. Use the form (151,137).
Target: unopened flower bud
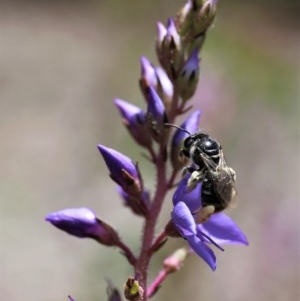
(148,76)
(174,262)
(189,76)
(156,78)
(169,49)
(205,16)
(83,223)
(135,120)
(132,290)
(184,18)
(164,87)
(122,170)
(156,115)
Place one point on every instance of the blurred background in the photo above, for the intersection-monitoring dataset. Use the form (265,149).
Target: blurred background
(61,65)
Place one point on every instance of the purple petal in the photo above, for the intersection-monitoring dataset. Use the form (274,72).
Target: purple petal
(116,162)
(183,220)
(70,298)
(172,32)
(166,84)
(203,251)
(192,199)
(191,124)
(156,108)
(223,230)
(192,65)
(75,221)
(127,110)
(148,72)
(161,32)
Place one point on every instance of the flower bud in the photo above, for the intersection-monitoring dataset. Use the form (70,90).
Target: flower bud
(205,16)
(132,290)
(83,223)
(164,87)
(189,76)
(169,49)
(122,170)
(184,18)
(156,78)
(174,262)
(156,115)
(135,120)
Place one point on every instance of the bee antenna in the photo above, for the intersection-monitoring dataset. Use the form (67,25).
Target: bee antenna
(177,127)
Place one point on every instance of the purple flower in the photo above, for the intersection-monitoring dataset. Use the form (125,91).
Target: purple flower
(122,170)
(148,72)
(135,120)
(161,32)
(164,84)
(83,223)
(219,229)
(169,48)
(156,114)
(172,35)
(189,75)
(80,222)
(70,298)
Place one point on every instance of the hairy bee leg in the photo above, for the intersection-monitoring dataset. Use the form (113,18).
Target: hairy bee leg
(187,169)
(196,177)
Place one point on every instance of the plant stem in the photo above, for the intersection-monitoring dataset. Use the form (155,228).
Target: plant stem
(141,268)
(153,288)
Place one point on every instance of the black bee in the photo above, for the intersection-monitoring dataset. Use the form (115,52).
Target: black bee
(210,168)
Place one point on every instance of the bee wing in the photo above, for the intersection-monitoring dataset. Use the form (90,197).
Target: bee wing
(209,163)
(234,200)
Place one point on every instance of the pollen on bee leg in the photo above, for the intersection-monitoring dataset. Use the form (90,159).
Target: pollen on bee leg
(204,214)
(194,179)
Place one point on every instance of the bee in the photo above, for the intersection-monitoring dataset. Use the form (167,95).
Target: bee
(209,167)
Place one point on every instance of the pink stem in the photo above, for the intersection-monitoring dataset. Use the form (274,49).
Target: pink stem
(153,288)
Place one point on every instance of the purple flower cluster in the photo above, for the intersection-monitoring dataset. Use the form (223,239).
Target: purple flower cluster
(166,89)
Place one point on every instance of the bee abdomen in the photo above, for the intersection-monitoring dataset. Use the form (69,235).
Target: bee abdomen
(209,197)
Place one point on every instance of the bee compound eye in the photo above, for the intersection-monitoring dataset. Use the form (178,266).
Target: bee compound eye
(187,143)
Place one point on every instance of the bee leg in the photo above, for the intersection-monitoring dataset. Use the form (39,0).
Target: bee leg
(188,169)
(196,177)
(204,214)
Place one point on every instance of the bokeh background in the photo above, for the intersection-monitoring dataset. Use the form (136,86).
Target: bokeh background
(61,65)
